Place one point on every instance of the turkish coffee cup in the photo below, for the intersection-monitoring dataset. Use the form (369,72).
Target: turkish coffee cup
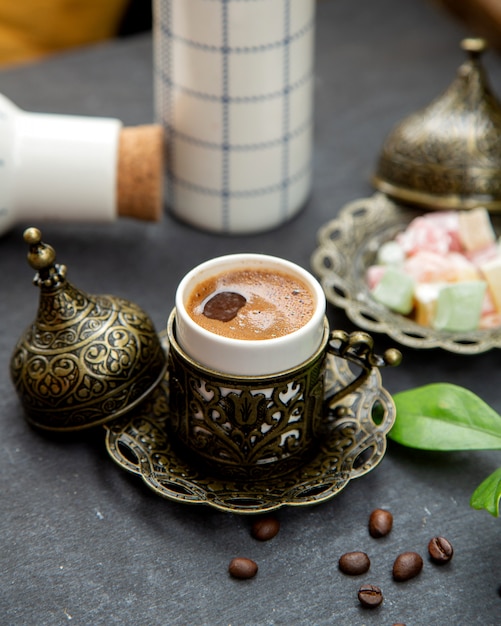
(248,348)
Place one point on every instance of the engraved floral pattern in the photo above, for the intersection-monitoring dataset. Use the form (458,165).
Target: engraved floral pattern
(447,155)
(85,359)
(354,443)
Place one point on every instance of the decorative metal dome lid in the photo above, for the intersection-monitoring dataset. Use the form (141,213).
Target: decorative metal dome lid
(85,360)
(448,155)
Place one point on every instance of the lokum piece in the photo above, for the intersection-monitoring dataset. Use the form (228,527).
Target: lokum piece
(425,300)
(390,253)
(374,274)
(448,223)
(475,229)
(488,306)
(427,267)
(479,257)
(436,235)
(395,290)
(493,320)
(459,306)
(492,274)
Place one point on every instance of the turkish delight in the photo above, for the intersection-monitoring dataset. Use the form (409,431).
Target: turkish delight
(443,271)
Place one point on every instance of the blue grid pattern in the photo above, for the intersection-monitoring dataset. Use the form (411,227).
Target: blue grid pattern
(233,89)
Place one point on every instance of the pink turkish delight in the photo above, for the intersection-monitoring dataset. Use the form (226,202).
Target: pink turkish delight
(440,249)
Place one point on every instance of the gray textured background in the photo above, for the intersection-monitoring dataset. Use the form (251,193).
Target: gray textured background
(81,541)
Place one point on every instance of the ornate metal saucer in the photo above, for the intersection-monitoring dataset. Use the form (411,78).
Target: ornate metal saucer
(348,245)
(355,445)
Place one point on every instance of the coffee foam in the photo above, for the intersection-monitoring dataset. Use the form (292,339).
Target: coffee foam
(277,303)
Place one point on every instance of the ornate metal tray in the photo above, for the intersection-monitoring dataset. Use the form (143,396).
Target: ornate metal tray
(348,245)
(355,444)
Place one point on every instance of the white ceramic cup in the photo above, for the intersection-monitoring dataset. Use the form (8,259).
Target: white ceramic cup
(234,91)
(243,357)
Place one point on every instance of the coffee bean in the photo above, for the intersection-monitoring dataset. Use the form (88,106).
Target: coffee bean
(380,523)
(224,306)
(241,567)
(440,550)
(370,596)
(265,528)
(354,563)
(407,565)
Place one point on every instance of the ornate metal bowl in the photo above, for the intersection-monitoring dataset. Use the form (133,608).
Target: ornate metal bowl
(349,243)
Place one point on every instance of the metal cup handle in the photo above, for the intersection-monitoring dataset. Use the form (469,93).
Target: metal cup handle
(358,348)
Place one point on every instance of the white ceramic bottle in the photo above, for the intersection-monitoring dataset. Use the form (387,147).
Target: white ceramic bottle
(70,168)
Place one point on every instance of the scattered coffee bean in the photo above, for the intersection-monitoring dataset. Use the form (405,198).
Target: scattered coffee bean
(354,563)
(241,567)
(440,550)
(370,596)
(265,528)
(407,565)
(380,523)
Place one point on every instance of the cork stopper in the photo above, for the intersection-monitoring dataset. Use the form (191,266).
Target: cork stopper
(140,172)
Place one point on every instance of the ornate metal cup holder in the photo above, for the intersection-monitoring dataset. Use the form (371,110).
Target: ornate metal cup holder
(355,444)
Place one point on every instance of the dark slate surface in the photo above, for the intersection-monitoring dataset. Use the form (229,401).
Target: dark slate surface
(82,542)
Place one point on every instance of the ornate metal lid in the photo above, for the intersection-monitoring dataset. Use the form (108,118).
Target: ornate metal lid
(448,155)
(85,360)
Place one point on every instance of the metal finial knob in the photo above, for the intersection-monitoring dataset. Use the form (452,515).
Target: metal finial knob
(40,255)
(32,235)
(474,46)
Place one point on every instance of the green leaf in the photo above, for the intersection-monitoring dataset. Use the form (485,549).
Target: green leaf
(487,494)
(445,417)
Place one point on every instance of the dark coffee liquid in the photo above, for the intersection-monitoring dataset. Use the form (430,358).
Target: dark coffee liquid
(251,304)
